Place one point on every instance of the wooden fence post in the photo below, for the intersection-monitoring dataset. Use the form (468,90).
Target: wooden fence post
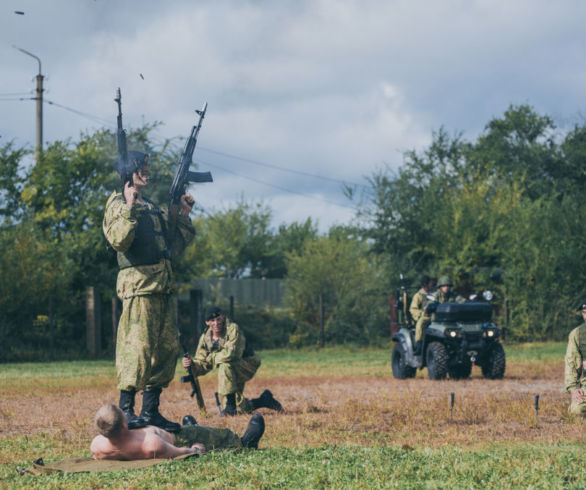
(93,320)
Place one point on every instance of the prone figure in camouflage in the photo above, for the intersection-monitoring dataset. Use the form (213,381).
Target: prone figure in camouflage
(116,441)
(575,379)
(223,346)
(147,344)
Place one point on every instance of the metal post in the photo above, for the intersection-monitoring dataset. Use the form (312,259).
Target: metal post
(231,315)
(39,99)
(322,340)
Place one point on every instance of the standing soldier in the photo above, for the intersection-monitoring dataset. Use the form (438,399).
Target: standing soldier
(576,365)
(147,344)
(223,346)
(417,310)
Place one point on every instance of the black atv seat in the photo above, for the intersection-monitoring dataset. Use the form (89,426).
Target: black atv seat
(463,312)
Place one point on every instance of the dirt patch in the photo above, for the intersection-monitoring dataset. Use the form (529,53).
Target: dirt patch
(363,410)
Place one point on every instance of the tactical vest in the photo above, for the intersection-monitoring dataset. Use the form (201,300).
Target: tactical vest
(147,248)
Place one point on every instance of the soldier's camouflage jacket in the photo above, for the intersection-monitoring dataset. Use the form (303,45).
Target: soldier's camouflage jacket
(574,372)
(229,347)
(418,304)
(120,226)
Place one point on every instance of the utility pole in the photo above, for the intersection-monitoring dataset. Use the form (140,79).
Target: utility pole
(39,99)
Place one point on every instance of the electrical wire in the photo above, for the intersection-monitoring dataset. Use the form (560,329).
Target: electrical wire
(80,113)
(277,167)
(273,185)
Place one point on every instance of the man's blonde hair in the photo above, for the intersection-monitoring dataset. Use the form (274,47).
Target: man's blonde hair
(109,420)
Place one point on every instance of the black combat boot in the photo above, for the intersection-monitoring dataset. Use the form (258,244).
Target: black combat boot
(188,420)
(126,404)
(254,431)
(150,411)
(230,408)
(267,400)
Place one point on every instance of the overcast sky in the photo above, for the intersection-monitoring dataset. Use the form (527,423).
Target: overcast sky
(333,88)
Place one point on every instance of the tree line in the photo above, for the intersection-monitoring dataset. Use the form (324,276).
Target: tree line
(502,212)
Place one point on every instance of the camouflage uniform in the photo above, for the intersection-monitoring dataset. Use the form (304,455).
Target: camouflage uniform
(449,297)
(147,344)
(211,438)
(417,310)
(574,372)
(235,366)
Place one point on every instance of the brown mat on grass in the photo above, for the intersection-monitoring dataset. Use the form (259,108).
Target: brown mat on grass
(85,465)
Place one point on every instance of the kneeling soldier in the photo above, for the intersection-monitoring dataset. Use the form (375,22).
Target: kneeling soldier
(576,365)
(223,346)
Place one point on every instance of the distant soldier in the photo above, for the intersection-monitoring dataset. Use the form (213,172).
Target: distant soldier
(417,310)
(147,346)
(445,294)
(223,346)
(576,365)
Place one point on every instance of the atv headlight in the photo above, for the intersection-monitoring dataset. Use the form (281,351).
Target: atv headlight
(487,295)
(452,333)
(490,333)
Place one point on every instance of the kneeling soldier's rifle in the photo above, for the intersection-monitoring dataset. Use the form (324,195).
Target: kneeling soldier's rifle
(184,176)
(195,388)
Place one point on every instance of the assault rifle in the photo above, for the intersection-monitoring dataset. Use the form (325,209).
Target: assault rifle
(122,163)
(184,176)
(195,388)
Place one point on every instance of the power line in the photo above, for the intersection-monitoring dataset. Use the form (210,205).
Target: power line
(277,167)
(275,186)
(80,113)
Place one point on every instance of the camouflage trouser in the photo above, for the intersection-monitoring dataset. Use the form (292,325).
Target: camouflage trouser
(420,326)
(147,346)
(211,438)
(578,408)
(231,378)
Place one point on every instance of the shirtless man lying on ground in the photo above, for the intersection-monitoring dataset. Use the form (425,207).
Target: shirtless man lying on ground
(116,441)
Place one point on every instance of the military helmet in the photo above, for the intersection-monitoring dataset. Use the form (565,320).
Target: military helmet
(444,281)
(136,160)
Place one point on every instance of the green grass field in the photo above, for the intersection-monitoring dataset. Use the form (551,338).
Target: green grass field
(355,444)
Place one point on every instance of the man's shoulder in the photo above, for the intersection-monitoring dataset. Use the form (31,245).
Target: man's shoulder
(580,329)
(114,199)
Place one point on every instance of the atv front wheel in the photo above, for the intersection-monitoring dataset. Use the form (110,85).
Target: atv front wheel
(436,358)
(495,364)
(399,363)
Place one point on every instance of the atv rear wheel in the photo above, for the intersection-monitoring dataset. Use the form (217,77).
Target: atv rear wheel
(495,363)
(399,363)
(436,358)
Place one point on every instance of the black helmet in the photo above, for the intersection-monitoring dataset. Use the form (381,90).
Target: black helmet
(136,160)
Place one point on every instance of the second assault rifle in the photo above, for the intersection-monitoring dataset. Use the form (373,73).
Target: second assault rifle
(195,388)
(184,176)
(122,164)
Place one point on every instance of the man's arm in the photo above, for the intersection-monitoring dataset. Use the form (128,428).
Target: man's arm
(233,347)
(155,447)
(415,308)
(119,224)
(573,360)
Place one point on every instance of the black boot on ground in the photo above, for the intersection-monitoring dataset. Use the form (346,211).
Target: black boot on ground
(417,350)
(188,420)
(254,431)
(150,412)
(230,408)
(126,404)
(266,400)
